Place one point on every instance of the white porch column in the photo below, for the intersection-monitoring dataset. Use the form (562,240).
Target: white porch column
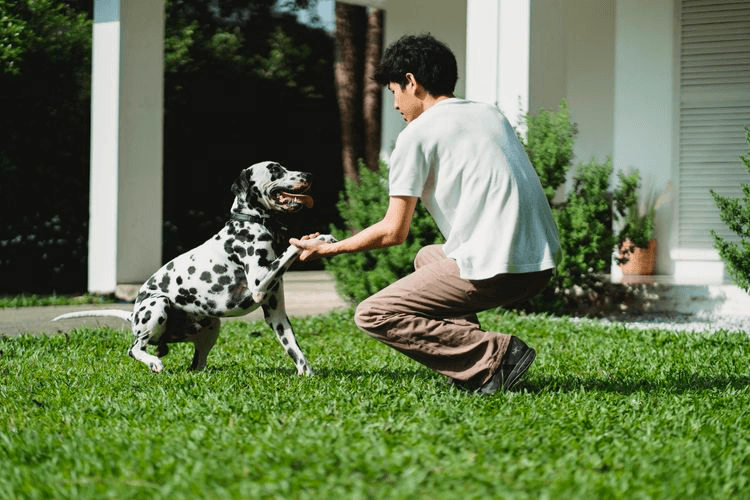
(498,36)
(126,142)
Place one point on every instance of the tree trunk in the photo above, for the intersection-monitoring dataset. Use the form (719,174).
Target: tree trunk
(351,22)
(372,93)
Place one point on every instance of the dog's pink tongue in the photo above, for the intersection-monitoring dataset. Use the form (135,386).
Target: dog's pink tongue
(300,198)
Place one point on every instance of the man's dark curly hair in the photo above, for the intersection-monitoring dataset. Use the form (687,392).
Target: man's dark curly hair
(430,61)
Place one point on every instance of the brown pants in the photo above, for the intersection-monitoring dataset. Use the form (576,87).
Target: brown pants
(430,316)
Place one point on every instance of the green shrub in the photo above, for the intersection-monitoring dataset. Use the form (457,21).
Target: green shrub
(735,213)
(45,73)
(549,145)
(585,226)
(359,275)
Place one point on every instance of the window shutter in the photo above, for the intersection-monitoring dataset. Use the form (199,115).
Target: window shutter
(714,111)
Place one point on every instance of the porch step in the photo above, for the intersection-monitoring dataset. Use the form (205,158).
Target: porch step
(702,300)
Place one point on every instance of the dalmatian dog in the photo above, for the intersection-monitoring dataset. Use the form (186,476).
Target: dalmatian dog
(233,273)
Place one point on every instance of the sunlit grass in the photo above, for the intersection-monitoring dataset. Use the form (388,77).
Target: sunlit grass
(604,412)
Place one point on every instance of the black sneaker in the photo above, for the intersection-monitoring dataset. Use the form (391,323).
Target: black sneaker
(515,362)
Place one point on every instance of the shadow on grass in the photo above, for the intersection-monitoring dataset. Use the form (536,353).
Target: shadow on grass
(676,383)
(342,373)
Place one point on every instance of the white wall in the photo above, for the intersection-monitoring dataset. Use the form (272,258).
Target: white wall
(644,106)
(590,75)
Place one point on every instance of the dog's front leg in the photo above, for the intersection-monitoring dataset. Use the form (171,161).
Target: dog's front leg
(276,317)
(279,266)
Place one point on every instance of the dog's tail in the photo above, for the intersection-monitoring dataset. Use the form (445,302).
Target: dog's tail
(117,313)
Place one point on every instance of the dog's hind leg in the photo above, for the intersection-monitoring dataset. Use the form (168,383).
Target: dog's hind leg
(149,321)
(205,338)
(277,319)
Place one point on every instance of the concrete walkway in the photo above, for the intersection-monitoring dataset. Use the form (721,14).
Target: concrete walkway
(307,293)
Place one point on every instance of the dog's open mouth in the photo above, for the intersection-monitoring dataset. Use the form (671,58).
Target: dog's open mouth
(294,199)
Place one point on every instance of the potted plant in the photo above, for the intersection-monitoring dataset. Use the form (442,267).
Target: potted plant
(637,246)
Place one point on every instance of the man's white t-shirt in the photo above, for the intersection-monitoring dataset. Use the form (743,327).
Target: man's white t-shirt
(464,161)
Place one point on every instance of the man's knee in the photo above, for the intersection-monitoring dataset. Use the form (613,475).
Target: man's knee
(428,254)
(363,315)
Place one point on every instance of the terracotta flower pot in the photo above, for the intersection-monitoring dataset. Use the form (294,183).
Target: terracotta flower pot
(640,260)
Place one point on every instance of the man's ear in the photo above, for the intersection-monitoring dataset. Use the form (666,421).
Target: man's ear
(413,87)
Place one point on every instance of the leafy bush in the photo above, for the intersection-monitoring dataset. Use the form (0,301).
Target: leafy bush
(359,275)
(549,145)
(45,49)
(585,225)
(735,213)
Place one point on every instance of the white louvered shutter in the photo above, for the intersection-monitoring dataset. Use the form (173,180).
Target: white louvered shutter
(714,110)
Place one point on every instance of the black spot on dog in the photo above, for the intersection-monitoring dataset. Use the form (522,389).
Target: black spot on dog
(206,276)
(216,289)
(191,270)
(146,317)
(292,355)
(179,280)
(265,237)
(228,245)
(161,320)
(224,280)
(263,260)
(272,302)
(219,269)
(276,171)
(164,284)
(240,251)
(170,266)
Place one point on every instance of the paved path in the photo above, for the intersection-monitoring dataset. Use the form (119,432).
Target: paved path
(307,293)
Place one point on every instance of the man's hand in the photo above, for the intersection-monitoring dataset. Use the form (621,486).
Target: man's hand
(312,248)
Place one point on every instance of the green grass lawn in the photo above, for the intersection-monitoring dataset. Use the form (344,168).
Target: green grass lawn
(604,412)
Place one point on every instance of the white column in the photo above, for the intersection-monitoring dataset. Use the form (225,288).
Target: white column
(497,54)
(126,142)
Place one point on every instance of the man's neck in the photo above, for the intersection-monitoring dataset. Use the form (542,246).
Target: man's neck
(430,100)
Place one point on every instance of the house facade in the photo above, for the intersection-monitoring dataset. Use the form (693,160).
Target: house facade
(662,86)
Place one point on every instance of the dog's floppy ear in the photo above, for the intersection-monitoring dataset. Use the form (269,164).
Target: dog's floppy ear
(241,184)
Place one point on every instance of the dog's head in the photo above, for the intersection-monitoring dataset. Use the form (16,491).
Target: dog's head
(269,187)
